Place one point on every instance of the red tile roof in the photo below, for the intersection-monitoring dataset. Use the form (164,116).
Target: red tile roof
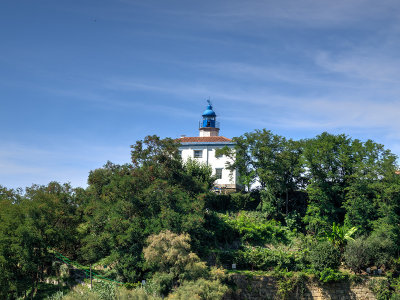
(203,139)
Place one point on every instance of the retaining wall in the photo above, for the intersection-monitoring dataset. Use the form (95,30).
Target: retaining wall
(265,287)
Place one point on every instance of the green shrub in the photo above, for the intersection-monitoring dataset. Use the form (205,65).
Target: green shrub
(330,275)
(200,289)
(120,293)
(104,290)
(357,255)
(381,289)
(260,258)
(56,296)
(291,285)
(239,201)
(257,258)
(324,255)
(376,250)
(233,202)
(101,291)
(293,221)
(255,229)
(285,260)
(381,248)
(161,283)
(135,294)
(217,202)
(221,233)
(224,257)
(395,284)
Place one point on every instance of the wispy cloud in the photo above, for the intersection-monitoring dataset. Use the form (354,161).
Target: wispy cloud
(328,111)
(297,66)
(67,163)
(310,13)
(372,67)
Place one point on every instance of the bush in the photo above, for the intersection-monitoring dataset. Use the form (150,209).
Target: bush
(293,221)
(221,232)
(330,275)
(168,252)
(199,289)
(241,201)
(255,229)
(120,293)
(291,285)
(56,296)
(357,255)
(233,202)
(161,283)
(265,259)
(257,258)
(381,289)
(135,294)
(217,202)
(104,290)
(376,250)
(381,248)
(224,257)
(323,255)
(101,290)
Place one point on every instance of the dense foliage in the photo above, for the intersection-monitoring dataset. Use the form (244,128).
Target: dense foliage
(310,205)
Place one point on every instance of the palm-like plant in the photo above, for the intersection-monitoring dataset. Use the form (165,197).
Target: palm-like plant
(339,235)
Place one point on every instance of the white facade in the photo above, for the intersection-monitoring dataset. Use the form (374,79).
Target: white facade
(204,152)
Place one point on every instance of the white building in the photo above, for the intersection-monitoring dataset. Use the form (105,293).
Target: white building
(203,147)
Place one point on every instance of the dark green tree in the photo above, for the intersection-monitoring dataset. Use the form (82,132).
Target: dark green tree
(31,225)
(329,164)
(271,161)
(130,202)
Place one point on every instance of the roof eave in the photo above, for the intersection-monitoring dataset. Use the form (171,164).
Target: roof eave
(206,143)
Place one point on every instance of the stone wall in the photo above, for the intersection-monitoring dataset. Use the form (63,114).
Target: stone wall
(262,287)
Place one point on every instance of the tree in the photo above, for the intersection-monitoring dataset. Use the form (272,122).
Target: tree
(12,280)
(130,202)
(273,162)
(30,225)
(328,161)
(374,186)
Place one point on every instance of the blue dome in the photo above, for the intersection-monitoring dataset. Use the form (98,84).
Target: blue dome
(209,112)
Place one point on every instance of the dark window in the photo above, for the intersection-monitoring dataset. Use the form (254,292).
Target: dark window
(198,153)
(218,173)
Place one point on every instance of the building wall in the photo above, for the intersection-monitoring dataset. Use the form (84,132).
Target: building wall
(208,157)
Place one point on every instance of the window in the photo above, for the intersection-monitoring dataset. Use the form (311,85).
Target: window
(218,173)
(198,153)
(180,153)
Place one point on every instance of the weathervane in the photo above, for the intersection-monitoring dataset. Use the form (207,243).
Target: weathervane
(209,101)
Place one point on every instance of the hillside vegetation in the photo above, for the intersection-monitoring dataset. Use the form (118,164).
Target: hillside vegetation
(327,207)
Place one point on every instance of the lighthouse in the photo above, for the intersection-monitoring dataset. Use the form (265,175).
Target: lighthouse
(209,126)
(203,149)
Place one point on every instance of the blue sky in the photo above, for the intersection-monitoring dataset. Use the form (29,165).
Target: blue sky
(81,81)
